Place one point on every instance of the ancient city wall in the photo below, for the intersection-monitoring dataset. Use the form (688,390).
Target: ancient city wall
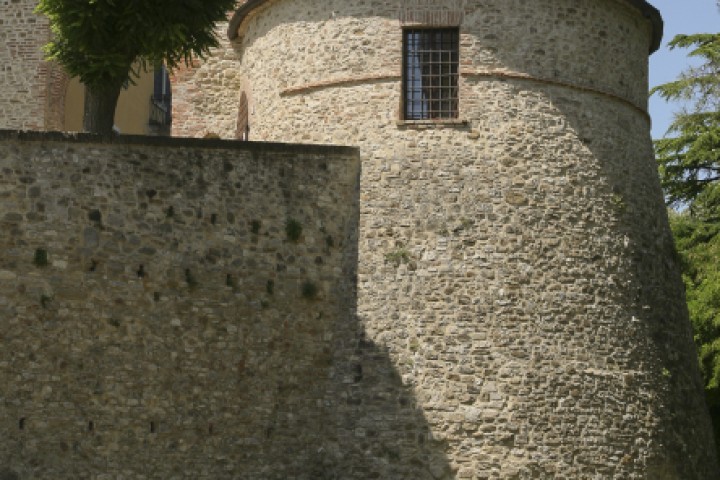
(516,263)
(185,309)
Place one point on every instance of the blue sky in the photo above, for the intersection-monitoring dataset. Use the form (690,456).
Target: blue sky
(681,16)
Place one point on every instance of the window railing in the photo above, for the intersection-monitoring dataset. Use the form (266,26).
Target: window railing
(161,110)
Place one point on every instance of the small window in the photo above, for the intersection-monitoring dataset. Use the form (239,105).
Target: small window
(161,100)
(430,73)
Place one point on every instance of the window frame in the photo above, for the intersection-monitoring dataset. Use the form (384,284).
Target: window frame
(161,98)
(443,67)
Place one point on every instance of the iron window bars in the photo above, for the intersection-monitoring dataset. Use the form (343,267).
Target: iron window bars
(430,73)
(161,99)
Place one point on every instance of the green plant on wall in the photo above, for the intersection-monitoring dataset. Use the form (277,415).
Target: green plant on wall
(45,300)
(463,224)
(190,279)
(619,203)
(95,216)
(41,258)
(309,290)
(398,256)
(293,229)
(255,227)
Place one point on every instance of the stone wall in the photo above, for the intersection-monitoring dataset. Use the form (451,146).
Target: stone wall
(206,93)
(517,263)
(519,311)
(185,309)
(24,76)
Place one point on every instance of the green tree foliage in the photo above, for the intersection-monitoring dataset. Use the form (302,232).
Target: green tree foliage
(698,243)
(689,157)
(106,42)
(689,165)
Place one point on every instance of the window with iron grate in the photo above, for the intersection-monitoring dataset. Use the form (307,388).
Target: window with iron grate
(430,73)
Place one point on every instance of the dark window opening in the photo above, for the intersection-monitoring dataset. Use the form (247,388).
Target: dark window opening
(161,100)
(242,131)
(430,73)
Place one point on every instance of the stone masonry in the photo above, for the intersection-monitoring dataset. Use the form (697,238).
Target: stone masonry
(491,296)
(182,309)
(515,262)
(31,90)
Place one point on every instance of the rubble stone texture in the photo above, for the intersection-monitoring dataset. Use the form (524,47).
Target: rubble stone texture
(32,91)
(496,298)
(158,321)
(516,264)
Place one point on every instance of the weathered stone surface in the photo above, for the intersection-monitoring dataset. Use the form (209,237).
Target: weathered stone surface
(6,474)
(31,90)
(186,352)
(7,276)
(517,261)
(519,314)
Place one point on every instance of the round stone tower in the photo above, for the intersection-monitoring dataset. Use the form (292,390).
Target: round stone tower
(515,257)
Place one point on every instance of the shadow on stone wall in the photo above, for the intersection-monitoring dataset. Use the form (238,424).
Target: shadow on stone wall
(159,320)
(650,339)
(627,343)
(378,430)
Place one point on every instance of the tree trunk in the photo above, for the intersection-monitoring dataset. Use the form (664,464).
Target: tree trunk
(99,114)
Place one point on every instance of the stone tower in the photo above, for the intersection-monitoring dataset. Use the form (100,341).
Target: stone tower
(514,257)
(483,287)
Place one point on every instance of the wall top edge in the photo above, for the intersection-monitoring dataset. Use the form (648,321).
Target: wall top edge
(648,11)
(175,142)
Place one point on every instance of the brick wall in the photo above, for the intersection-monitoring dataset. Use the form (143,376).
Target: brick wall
(23,74)
(205,102)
